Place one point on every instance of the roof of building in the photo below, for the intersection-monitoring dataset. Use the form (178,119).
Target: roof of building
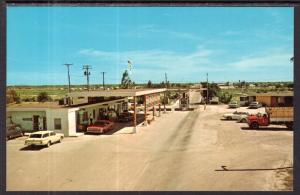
(286,93)
(116,93)
(42,132)
(36,105)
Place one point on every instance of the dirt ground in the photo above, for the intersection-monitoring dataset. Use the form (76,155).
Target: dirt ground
(181,150)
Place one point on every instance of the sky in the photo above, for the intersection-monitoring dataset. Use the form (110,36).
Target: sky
(228,43)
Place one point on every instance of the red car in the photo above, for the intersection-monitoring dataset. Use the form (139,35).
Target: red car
(100,126)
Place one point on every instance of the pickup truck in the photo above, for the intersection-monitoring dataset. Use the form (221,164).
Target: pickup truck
(273,115)
(43,138)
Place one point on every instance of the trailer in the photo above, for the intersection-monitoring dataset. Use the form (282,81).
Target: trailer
(273,115)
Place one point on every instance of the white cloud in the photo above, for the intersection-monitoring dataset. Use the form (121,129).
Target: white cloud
(200,58)
(269,60)
(232,32)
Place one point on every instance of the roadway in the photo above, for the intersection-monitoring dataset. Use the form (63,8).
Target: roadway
(181,150)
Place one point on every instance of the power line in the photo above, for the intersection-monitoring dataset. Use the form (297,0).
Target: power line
(87,74)
(68,66)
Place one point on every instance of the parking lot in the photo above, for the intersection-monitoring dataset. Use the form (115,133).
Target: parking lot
(181,150)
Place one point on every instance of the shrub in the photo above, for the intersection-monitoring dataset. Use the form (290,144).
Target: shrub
(12,96)
(225,97)
(29,99)
(43,97)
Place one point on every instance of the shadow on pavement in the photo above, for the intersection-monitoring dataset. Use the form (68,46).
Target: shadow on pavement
(32,148)
(268,129)
(223,119)
(224,168)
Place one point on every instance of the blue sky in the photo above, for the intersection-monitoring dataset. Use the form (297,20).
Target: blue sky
(230,44)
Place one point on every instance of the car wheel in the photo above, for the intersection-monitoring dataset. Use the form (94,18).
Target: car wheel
(243,120)
(59,141)
(229,118)
(255,125)
(48,144)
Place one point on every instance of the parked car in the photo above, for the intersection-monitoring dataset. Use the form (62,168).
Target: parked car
(43,138)
(13,131)
(255,105)
(242,118)
(235,115)
(100,126)
(125,117)
(233,104)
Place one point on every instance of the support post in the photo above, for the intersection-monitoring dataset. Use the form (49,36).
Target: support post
(164,102)
(153,107)
(134,114)
(159,109)
(145,110)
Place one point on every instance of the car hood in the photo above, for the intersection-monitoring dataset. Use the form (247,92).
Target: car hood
(252,117)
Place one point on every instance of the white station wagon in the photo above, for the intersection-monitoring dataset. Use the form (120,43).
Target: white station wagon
(43,138)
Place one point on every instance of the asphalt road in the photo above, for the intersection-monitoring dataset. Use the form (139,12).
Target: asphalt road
(188,150)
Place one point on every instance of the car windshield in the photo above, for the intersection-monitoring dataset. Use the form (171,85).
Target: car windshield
(101,123)
(35,136)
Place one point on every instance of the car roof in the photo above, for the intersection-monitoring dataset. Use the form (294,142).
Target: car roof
(42,132)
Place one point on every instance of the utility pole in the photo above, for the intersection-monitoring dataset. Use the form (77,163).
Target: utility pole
(207,87)
(87,74)
(68,66)
(103,80)
(166,78)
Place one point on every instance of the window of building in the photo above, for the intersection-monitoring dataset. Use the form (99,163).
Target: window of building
(27,119)
(57,124)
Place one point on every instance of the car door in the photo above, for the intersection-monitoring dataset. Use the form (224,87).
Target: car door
(235,116)
(53,137)
(263,120)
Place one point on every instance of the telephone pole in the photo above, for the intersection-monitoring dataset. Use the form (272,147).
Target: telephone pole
(103,80)
(87,74)
(166,78)
(68,66)
(207,87)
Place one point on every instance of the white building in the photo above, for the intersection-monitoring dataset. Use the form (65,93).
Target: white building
(62,119)
(76,113)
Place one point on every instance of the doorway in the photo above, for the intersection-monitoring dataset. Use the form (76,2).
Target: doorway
(35,122)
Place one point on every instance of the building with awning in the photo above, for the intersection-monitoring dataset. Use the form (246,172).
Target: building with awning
(72,115)
(149,97)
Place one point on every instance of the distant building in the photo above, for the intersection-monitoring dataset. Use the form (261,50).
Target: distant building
(269,99)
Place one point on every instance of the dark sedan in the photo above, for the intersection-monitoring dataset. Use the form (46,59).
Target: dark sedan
(125,117)
(13,131)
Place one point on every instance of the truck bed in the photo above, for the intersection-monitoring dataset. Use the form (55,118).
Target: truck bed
(280,114)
